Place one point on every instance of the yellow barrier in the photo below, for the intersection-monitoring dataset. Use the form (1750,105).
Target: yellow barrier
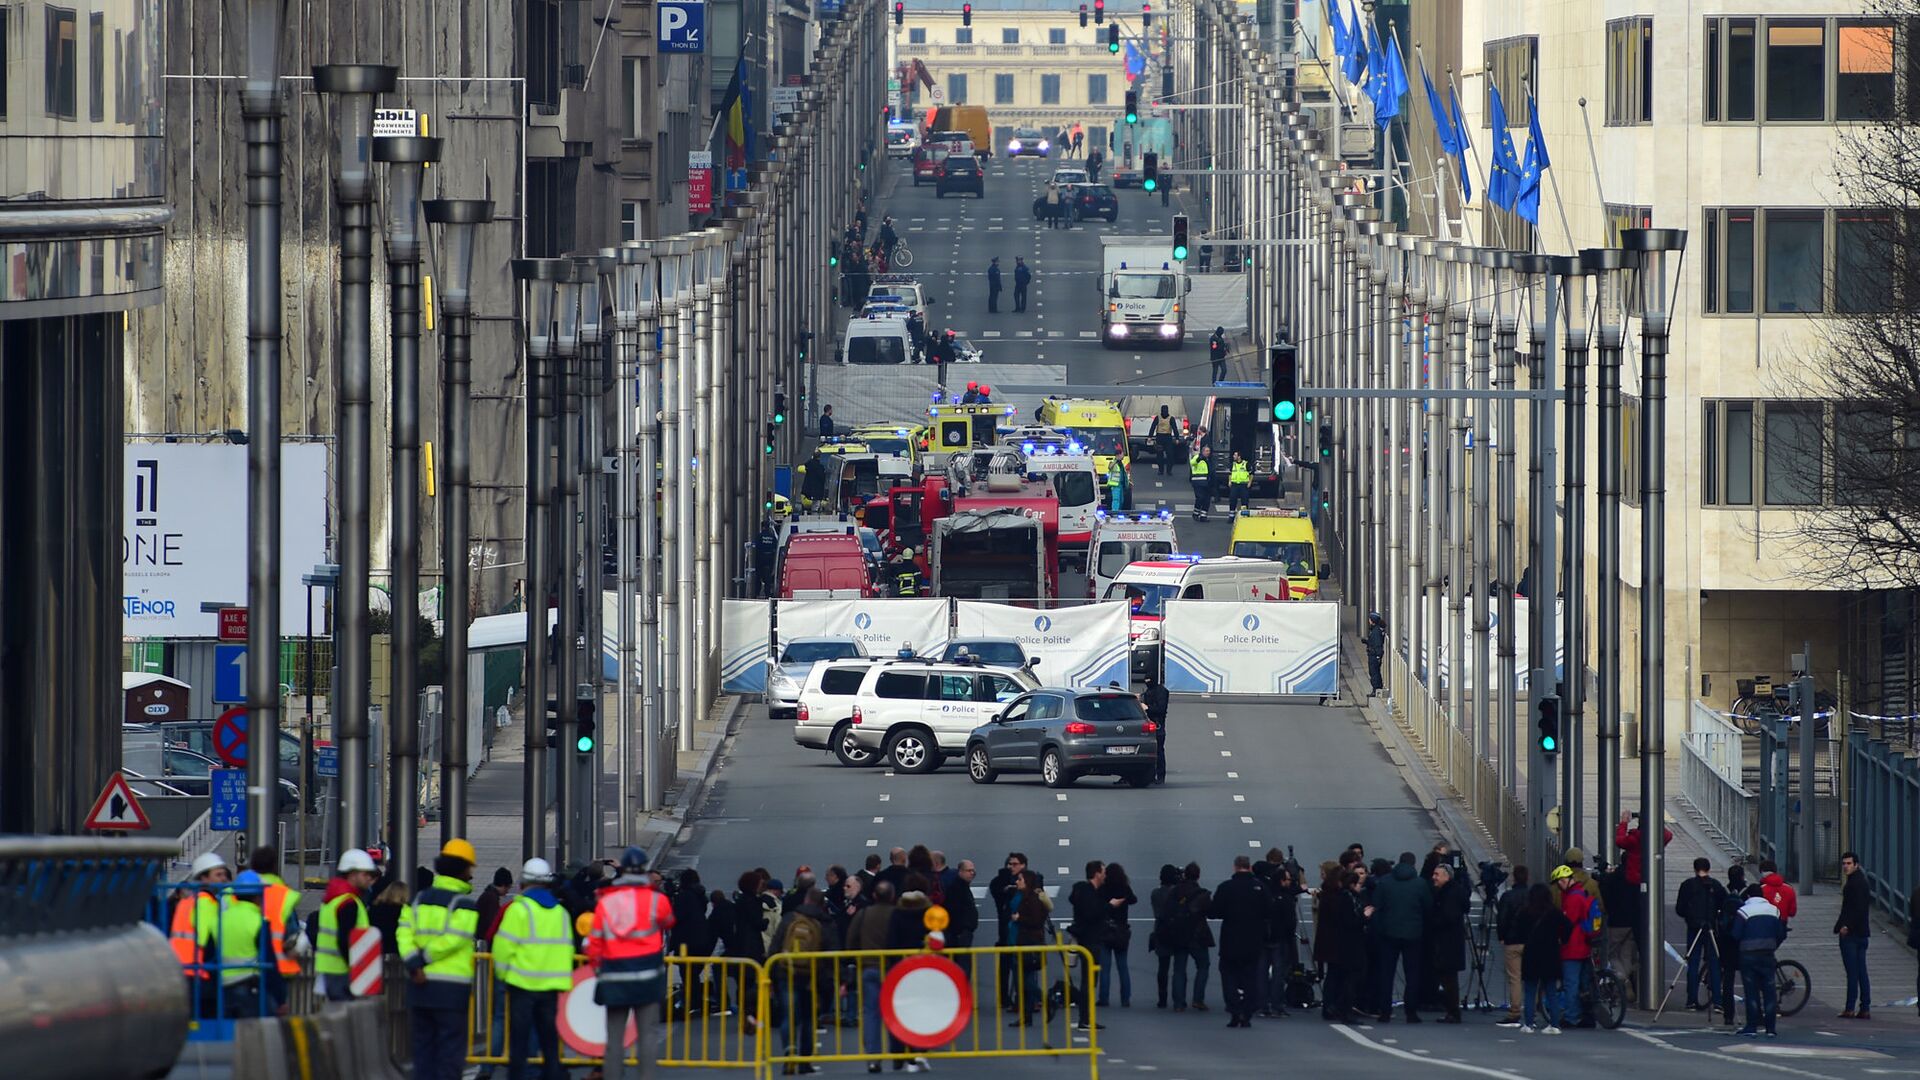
(1016,1012)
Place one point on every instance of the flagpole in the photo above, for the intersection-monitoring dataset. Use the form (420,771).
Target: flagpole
(1393,32)
(1533,107)
(1313,52)
(1499,232)
(1599,192)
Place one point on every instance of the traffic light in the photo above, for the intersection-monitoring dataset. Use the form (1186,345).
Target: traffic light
(584,741)
(1113,46)
(1326,440)
(1166,82)
(966,14)
(1099,11)
(1146,16)
(1548,728)
(779,407)
(768,447)
(1083,14)
(1283,369)
(1149,172)
(1133,96)
(1180,237)
(899,12)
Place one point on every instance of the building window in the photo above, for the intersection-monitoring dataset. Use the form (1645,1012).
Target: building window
(1800,261)
(1804,70)
(1056,35)
(1629,71)
(1049,89)
(917,35)
(1710,454)
(1096,89)
(97,67)
(1003,89)
(63,69)
(1739,453)
(1791,449)
(956,89)
(542,39)
(629,221)
(631,80)
(1868,460)
(1513,66)
(1009,35)
(1621,217)
(963,35)
(1630,478)
(1788,440)
(6,51)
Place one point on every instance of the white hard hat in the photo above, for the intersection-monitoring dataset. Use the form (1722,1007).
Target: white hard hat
(355,859)
(536,869)
(210,861)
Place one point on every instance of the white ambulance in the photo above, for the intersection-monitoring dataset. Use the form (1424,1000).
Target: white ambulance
(1122,539)
(1077,485)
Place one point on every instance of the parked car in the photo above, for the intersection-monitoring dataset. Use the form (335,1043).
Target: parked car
(824,717)
(192,774)
(1028,141)
(959,173)
(915,712)
(789,674)
(1096,201)
(1064,734)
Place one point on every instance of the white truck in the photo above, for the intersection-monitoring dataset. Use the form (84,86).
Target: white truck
(1143,291)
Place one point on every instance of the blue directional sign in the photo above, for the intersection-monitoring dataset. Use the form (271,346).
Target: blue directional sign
(682,26)
(229,674)
(229,801)
(326,760)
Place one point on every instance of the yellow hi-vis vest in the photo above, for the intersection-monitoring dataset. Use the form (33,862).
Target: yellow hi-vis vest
(1198,467)
(233,940)
(533,949)
(1240,474)
(330,948)
(439,928)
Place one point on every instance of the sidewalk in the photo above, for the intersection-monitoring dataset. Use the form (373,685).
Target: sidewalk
(1891,965)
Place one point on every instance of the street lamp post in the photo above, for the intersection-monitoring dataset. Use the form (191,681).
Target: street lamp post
(1653,247)
(633,293)
(406,160)
(459,221)
(1484,274)
(1506,333)
(539,278)
(1543,278)
(1608,267)
(1576,302)
(354,86)
(672,255)
(260,105)
(593,272)
(1442,283)
(567,571)
(1458,262)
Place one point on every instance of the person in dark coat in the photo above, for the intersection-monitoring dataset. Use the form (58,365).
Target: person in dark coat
(1698,904)
(1160,901)
(1513,937)
(1724,940)
(1447,939)
(1001,890)
(993,286)
(1154,700)
(1022,277)
(963,911)
(1403,904)
(1341,939)
(1089,926)
(691,933)
(1240,903)
(1190,938)
(1117,892)
(1853,928)
(1282,945)
(1544,929)
(1376,648)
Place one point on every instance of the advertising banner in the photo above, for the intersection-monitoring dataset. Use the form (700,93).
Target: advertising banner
(743,645)
(185,539)
(1076,646)
(883,626)
(1228,647)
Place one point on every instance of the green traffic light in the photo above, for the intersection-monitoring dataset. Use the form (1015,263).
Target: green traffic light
(833,260)
(584,744)
(779,418)
(1150,185)
(1309,416)
(1114,47)
(769,448)
(1549,744)
(1283,410)
(1132,118)
(1180,251)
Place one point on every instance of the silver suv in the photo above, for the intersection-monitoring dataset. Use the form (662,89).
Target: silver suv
(916,712)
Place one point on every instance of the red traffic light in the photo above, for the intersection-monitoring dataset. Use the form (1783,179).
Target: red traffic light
(1100,11)
(966,14)
(899,12)
(1083,14)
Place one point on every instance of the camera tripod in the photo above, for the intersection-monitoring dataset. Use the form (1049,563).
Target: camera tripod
(1480,942)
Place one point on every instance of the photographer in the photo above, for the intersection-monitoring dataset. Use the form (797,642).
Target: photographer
(1698,905)
(1513,935)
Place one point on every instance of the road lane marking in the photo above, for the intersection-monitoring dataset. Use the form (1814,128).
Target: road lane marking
(1064,842)
(1394,1051)
(1745,1061)
(1233,776)
(1219,734)
(1063,871)
(1060,796)
(884,798)
(879,821)
(1226,753)
(873,843)
(1239,798)
(1246,821)
(1063,819)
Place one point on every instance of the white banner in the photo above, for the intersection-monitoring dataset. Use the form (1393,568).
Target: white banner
(883,626)
(743,646)
(1077,646)
(185,539)
(1521,653)
(1227,647)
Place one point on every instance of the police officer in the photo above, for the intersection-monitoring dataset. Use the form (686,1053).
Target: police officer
(1154,700)
(1116,486)
(533,955)
(1376,647)
(765,545)
(436,945)
(1239,484)
(1200,472)
(813,480)
(904,574)
(344,911)
(626,947)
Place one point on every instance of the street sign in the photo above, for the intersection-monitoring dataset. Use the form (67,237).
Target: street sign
(230,736)
(326,761)
(229,674)
(682,26)
(117,807)
(396,123)
(939,94)
(786,99)
(229,801)
(233,624)
(926,1001)
(582,1022)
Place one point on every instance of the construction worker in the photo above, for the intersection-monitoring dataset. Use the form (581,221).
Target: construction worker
(533,955)
(238,943)
(1200,471)
(436,944)
(627,951)
(1239,484)
(195,908)
(277,903)
(904,574)
(343,911)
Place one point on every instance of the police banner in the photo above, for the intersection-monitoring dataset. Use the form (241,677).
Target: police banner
(743,645)
(882,626)
(1522,654)
(1228,647)
(1077,646)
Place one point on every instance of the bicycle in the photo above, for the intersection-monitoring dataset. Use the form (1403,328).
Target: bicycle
(1793,984)
(1604,997)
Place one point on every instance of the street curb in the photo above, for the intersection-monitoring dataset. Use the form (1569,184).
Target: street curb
(669,822)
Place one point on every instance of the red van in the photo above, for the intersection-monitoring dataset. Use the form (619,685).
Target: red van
(825,567)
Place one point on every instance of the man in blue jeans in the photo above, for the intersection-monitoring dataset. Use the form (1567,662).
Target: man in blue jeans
(1759,930)
(1698,905)
(1853,928)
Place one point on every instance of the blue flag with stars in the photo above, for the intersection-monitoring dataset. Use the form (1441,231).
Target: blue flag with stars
(1342,36)
(1442,122)
(1356,54)
(1392,81)
(1532,167)
(1466,145)
(1503,176)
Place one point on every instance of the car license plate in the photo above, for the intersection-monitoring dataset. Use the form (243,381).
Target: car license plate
(1123,749)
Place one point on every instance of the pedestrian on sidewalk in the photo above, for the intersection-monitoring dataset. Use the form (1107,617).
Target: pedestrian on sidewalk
(1447,938)
(1511,923)
(1217,353)
(1117,891)
(1854,928)
(1376,649)
(1621,901)
(1576,952)
(1547,933)
(1759,930)
(1160,901)
(1728,945)
(1192,939)
(1240,903)
(1698,905)
(1402,906)
(1022,277)
(1053,205)
(993,286)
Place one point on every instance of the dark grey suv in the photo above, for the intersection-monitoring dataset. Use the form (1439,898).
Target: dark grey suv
(1064,734)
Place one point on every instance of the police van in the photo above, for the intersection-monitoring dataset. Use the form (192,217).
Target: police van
(1120,540)
(1077,485)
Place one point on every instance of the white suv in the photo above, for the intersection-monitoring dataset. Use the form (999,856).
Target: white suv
(914,713)
(824,713)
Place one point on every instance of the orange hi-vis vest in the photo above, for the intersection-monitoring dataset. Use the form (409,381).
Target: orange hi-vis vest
(276,904)
(183,936)
(629,922)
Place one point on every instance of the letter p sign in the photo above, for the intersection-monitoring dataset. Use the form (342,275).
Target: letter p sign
(682,26)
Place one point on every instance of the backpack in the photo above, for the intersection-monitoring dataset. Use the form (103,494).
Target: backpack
(1594,923)
(803,935)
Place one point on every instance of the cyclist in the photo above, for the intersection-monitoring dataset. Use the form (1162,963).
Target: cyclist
(1576,955)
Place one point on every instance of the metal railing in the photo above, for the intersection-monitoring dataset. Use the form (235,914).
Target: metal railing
(1712,761)
(1883,821)
(1450,756)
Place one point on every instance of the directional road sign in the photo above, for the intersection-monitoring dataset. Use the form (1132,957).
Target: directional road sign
(117,807)
(229,674)
(229,811)
(233,624)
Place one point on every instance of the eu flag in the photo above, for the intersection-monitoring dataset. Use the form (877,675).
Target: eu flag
(1531,168)
(1356,54)
(1503,176)
(1466,145)
(1442,122)
(1393,84)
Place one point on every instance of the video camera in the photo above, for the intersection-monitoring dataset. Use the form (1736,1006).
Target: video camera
(1492,876)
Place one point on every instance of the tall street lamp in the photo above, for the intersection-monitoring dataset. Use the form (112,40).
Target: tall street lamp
(1541,273)
(459,221)
(566,571)
(594,272)
(538,278)
(354,86)
(1576,301)
(633,296)
(406,160)
(1656,307)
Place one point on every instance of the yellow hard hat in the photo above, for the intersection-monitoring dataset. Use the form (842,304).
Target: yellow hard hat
(1560,873)
(460,849)
(584,924)
(936,919)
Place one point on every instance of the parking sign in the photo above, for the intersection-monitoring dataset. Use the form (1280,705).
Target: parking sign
(682,26)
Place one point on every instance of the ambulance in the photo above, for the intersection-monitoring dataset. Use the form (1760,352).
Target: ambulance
(1101,429)
(1147,586)
(1071,472)
(1119,540)
(1284,535)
